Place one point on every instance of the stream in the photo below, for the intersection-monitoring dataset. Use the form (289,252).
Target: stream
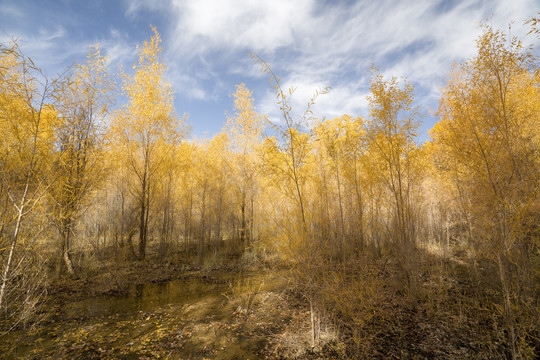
(195,318)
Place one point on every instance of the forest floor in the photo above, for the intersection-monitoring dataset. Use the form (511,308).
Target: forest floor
(146,311)
(130,312)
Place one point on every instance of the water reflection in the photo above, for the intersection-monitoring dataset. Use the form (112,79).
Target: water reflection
(121,320)
(148,297)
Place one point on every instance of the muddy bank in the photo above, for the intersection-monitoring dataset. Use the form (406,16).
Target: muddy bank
(163,313)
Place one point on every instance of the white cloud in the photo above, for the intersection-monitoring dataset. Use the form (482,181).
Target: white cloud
(342,99)
(417,40)
(189,86)
(118,49)
(203,25)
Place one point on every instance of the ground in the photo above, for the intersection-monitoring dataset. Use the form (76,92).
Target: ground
(223,319)
(146,311)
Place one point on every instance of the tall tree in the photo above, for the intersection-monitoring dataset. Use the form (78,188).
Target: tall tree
(488,138)
(285,156)
(83,103)
(145,125)
(392,132)
(27,120)
(245,129)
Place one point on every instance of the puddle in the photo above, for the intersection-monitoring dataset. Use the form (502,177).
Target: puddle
(145,297)
(189,318)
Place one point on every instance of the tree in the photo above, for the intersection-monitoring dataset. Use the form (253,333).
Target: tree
(146,125)
(285,157)
(210,174)
(340,143)
(83,103)
(489,132)
(245,129)
(391,131)
(27,120)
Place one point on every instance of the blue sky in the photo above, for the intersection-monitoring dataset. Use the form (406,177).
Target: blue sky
(310,44)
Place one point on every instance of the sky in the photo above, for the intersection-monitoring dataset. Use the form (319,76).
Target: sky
(309,44)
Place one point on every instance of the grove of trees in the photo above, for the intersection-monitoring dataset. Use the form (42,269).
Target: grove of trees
(357,210)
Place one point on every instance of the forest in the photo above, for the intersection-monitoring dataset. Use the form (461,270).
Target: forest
(385,247)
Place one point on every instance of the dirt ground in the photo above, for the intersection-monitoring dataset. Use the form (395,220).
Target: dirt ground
(235,324)
(246,320)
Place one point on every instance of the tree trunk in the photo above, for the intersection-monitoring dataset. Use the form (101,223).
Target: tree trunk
(5,276)
(243,224)
(341,216)
(66,250)
(360,207)
(202,232)
(252,222)
(143,225)
(219,221)
(508,314)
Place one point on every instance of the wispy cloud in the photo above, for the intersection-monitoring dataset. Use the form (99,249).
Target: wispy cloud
(206,25)
(312,44)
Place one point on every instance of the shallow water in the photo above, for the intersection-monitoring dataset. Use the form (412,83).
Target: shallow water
(146,320)
(146,297)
